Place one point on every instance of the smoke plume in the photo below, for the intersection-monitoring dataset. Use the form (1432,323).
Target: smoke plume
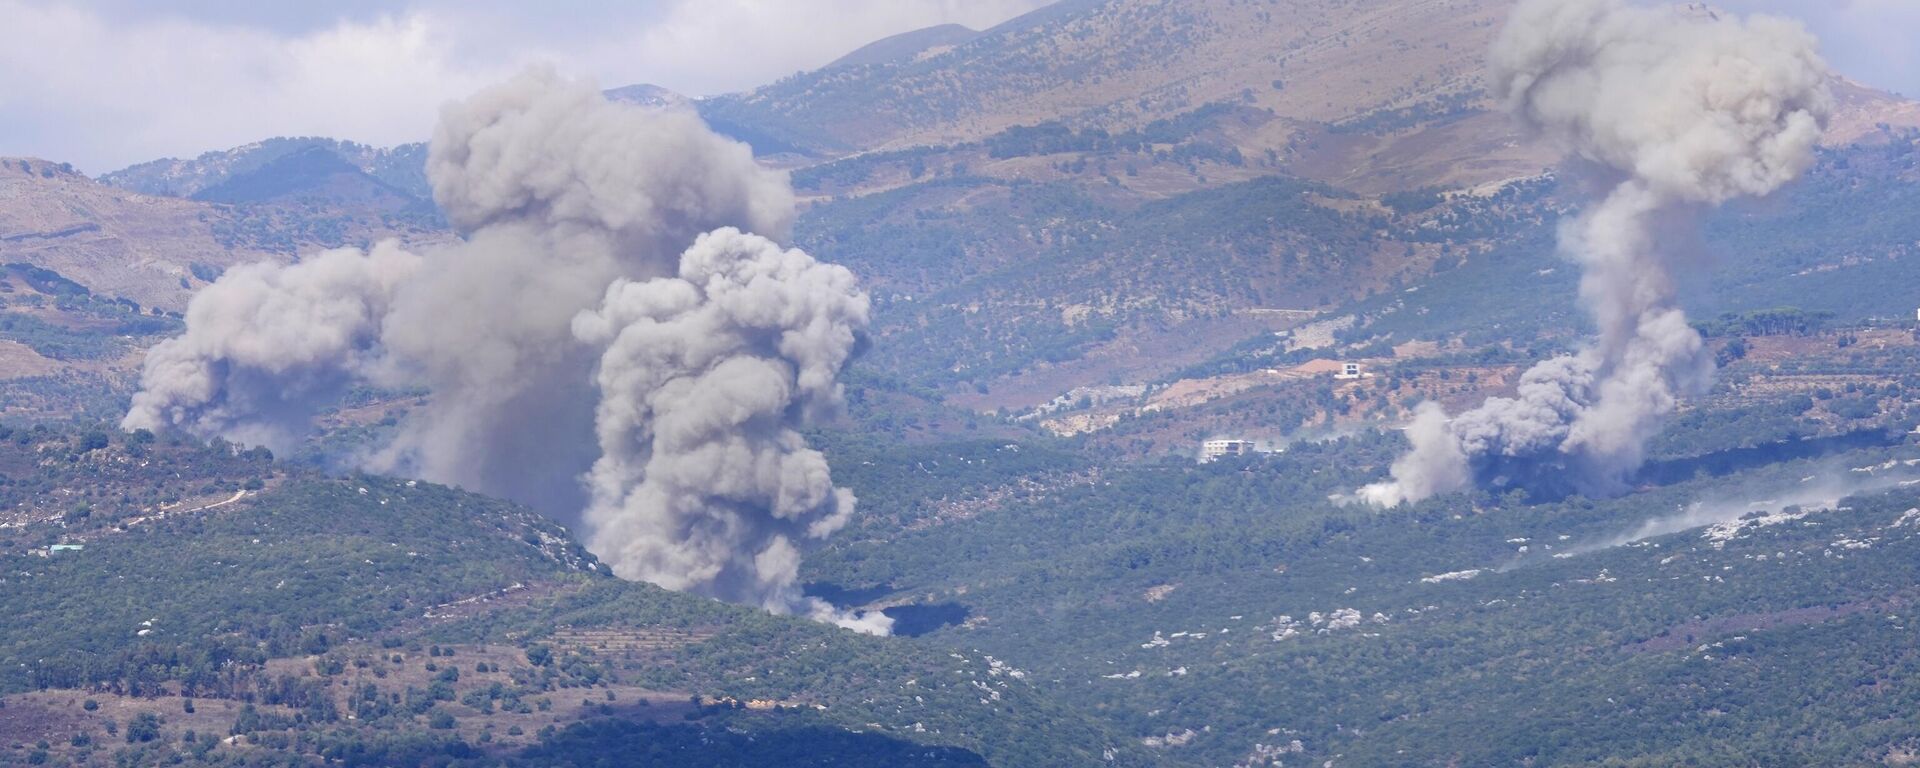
(1684,110)
(267,344)
(553,376)
(1729,510)
(557,192)
(702,481)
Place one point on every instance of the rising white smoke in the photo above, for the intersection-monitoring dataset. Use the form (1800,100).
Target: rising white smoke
(1764,503)
(569,206)
(1687,110)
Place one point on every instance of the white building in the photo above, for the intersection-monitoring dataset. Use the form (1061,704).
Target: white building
(1214,450)
(1349,371)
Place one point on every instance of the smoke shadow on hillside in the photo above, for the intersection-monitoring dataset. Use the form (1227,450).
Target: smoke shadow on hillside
(1556,478)
(917,620)
(643,743)
(1723,463)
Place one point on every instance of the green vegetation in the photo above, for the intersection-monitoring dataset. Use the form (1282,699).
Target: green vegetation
(1186,574)
(963,295)
(1783,321)
(1386,121)
(741,745)
(1828,250)
(187,586)
(47,281)
(1168,139)
(60,319)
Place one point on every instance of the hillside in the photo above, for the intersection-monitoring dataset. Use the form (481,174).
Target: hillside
(1040,217)
(1748,602)
(1122,62)
(115,242)
(1096,193)
(1370,95)
(400,167)
(312,615)
(132,239)
(906,46)
(65,351)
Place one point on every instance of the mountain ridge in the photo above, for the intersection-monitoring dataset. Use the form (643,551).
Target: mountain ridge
(906,45)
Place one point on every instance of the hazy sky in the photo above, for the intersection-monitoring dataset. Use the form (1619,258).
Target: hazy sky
(106,83)
(1874,41)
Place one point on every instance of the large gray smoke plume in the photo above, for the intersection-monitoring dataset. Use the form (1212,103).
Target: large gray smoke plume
(702,481)
(558,195)
(266,344)
(558,192)
(1686,110)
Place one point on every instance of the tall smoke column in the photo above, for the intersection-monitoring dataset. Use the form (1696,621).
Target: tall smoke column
(560,194)
(703,484)
(1688,110)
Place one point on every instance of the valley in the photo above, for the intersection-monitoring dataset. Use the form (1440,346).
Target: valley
(1077,247)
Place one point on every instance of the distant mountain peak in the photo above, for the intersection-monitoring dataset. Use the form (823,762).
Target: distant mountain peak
(906,46)
(648,95)
(400,167)
(34,166)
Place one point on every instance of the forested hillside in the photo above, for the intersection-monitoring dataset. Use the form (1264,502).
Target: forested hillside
(179,594)
(1154,287)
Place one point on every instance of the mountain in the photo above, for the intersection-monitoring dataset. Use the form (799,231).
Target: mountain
(113,241)
(1064,227)
(647,95)
(906,46)
(312,176)
(285,195)
(1868,115)
(152,233)
(403,168)
(1373,96)
(66,351)
(1375,68)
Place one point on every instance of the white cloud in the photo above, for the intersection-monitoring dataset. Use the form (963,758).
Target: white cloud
(76,87)
(110,85)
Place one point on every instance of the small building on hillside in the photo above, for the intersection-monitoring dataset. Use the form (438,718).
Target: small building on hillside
(58,548)
(1344,371)
(1214,450)
(1317,367)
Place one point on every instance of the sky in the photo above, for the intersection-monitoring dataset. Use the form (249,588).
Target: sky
(1876,42)
(108,83)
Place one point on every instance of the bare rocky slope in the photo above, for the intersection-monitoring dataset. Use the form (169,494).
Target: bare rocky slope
(115,242)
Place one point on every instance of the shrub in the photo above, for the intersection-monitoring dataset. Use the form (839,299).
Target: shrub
(440,720)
